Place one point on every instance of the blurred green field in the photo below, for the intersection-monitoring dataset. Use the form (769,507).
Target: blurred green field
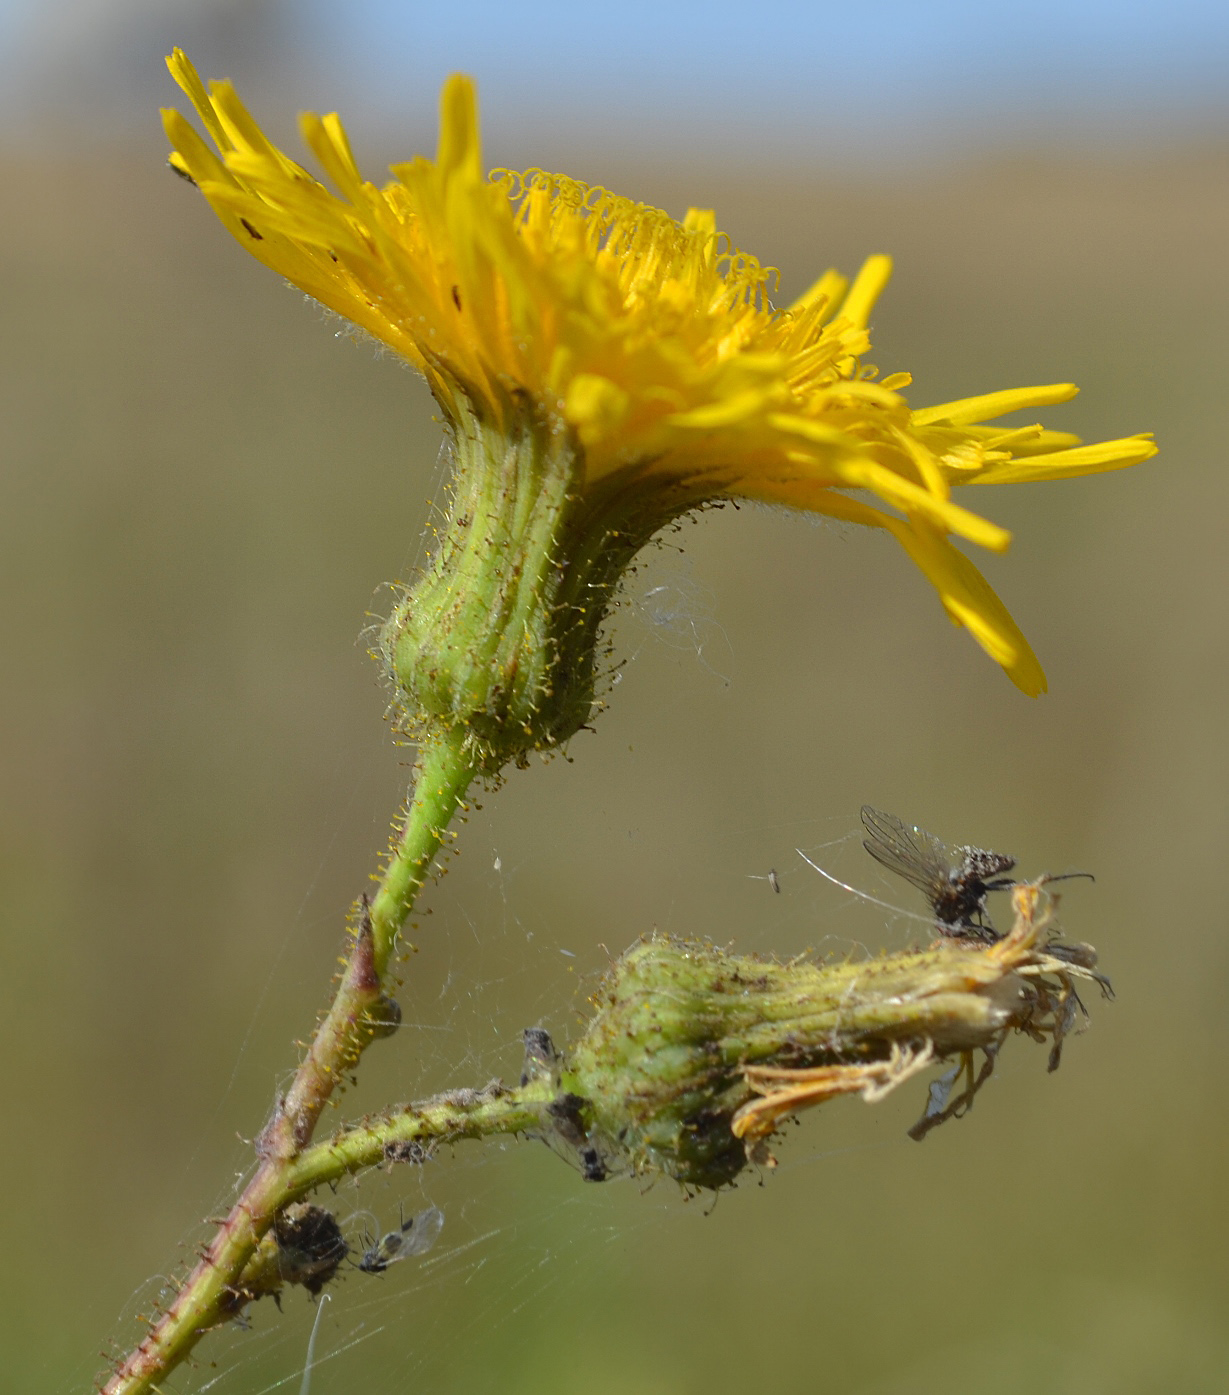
(205,487)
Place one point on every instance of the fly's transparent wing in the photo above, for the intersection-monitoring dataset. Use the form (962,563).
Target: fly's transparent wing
(423,1233)
(921,858)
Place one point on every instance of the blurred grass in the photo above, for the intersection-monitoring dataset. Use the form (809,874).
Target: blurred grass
(205,489)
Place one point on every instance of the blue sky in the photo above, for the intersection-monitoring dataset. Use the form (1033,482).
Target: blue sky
(887,78)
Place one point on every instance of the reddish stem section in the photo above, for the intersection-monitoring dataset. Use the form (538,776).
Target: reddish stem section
(202,1302)
(350,1025)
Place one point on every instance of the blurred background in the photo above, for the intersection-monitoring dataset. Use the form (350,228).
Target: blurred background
(205,490)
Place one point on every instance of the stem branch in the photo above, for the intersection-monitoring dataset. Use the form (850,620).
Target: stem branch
(456,1114)
(445,772)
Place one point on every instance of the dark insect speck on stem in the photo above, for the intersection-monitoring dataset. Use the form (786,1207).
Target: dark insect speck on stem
(406,1150)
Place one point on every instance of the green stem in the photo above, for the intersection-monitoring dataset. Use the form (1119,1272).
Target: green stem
(446,769)
(456,1114)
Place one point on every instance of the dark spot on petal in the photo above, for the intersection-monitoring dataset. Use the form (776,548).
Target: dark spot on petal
(456,296)
(251,230)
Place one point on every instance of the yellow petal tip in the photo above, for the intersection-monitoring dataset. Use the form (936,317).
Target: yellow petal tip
(460,145)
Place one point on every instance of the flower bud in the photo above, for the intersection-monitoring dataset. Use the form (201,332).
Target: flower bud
(696,1054)
(499,637)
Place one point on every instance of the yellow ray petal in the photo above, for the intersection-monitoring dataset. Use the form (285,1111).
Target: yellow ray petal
(829,290)
(1067,464)
(821,433)
(927,465)
(1025,440)
(196,157)
(994,404)
(729,411)
(867,287)
(460,145)
(189,80)
(293,225)
(325,137)
(911,498)
(966,595)
(242,129)
(970,601)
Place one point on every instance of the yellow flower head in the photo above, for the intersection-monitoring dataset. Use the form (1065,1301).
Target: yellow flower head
(651,344)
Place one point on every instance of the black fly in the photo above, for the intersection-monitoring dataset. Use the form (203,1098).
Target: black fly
(955,880)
